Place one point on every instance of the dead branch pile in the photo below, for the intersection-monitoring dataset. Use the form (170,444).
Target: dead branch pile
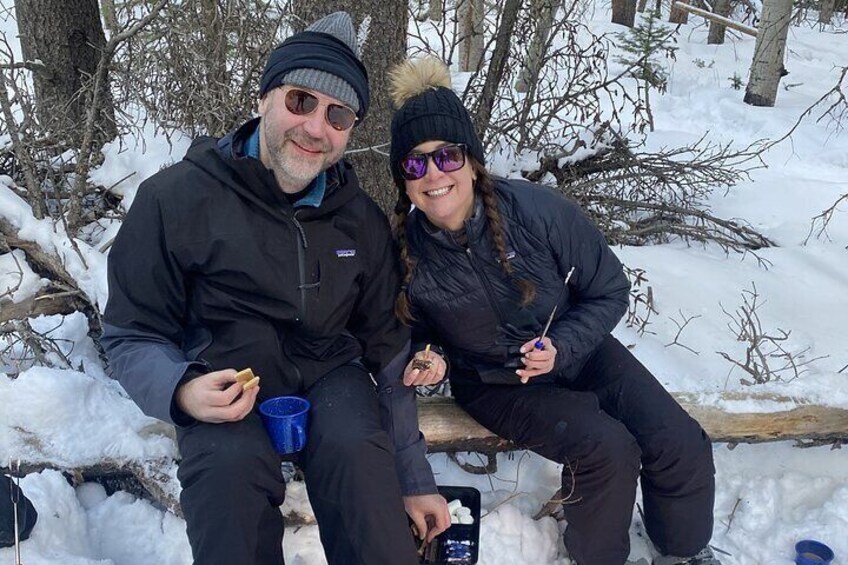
(639,197)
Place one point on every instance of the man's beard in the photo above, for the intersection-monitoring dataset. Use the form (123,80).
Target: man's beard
(293,170)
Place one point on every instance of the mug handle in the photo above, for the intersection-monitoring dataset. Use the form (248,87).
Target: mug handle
(300,434)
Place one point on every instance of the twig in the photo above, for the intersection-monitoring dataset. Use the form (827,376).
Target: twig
(732,514)
(28,65)
(762,347)
(824,218)
(501,503)
(680,328)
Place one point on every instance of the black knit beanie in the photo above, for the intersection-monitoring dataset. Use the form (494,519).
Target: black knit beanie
(324,57)
(429,111)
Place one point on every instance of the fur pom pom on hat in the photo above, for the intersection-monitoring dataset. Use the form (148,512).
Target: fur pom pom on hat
(416,76)
(427,110)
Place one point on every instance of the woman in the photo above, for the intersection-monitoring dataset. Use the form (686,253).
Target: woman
(487,262)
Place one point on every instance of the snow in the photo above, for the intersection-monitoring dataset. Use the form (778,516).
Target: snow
(129,161)
(768,496)
(17,280)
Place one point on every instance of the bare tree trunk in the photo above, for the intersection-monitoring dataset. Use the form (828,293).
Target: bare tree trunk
(470,15)
(716,34)
(67,36)
(642,5)
(213,58)
(767,67)
(494,76)
(543,12)
(826,11)
(624,12)
(437,7)
(385,46)
(677,16)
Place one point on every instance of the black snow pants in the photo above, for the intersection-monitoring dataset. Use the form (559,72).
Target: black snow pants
(232,485)
(608,425)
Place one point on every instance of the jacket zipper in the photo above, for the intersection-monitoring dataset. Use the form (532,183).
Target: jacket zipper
(301,268)
(301,265)
(486,285)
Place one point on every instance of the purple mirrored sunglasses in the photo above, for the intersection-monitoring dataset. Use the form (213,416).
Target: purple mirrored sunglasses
(447,158)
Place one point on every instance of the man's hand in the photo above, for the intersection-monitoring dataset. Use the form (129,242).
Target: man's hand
(214,398)
(536,361)
(429,513)
(431,376)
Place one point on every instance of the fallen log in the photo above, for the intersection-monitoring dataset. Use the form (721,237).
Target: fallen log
(49,265)
(448,428)
(727,22)
(46,303)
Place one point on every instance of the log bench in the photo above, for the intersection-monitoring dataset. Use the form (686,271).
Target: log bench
(448,429)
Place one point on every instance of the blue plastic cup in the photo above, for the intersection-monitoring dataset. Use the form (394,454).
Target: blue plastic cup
(285,420)
(811,552)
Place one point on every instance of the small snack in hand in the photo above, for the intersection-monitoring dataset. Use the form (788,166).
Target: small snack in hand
(247,379)
(250,384)
(423,364)
(245,376)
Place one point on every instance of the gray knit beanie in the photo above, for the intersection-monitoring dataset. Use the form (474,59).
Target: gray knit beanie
(340,26)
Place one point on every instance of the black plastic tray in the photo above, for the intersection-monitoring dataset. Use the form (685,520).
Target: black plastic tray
(470,497)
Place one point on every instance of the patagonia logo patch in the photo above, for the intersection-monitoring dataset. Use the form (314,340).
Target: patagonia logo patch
(340,253)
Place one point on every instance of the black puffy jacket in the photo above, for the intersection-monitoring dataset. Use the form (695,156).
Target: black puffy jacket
(464,302)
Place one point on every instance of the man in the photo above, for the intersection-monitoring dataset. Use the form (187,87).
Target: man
(260,250)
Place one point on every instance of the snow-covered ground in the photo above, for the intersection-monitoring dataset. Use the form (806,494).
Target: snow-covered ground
(769,495)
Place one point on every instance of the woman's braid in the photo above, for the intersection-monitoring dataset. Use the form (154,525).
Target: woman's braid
(486,187)
(402,307)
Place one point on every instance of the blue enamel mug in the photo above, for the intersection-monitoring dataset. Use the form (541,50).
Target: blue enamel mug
(285,419)
(812,552)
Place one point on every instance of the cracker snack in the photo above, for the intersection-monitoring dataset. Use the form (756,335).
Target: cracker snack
(247,379)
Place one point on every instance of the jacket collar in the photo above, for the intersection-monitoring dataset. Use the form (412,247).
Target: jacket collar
(475,227)
(228,160)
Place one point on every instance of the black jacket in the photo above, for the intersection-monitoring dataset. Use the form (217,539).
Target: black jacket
(464,302)
(214,269)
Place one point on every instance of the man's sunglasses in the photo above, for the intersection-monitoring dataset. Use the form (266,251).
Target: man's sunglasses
(301,103)
(447,158)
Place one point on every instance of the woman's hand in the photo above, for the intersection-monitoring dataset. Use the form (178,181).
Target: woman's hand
(434,374)
(536,361)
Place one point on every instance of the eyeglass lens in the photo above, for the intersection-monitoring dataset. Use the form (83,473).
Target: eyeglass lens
(301,103)
(447,159)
